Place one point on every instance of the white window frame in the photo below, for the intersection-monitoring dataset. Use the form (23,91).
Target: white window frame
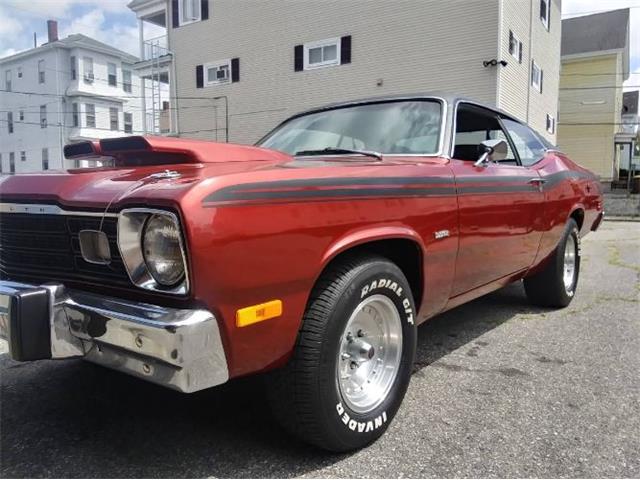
(8,77)
(21,115)
(23,156)
(87,115)
(114,115)
(517,53)
(127,83)
(321,44)
(45,159)
(196,16)
(12,162)
(536,81)
(10,122)
(128,123)
(113,74)
(545,8)
(217,65)
(87,69)
(551,124)
(19,72)
(43,116)
(73,65)
(75,114)
(41,71)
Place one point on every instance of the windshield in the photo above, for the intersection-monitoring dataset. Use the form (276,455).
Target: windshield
(400,127)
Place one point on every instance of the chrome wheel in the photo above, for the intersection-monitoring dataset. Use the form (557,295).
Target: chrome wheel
(569,270)
(370,353)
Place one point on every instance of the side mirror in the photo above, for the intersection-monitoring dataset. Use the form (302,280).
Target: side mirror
(491,150)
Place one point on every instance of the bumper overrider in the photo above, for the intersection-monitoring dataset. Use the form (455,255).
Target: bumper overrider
(177,348)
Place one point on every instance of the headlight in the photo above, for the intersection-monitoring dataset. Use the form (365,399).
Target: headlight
(162,250)
(152,250)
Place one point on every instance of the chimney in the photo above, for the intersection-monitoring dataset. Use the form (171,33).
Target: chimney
(52,29)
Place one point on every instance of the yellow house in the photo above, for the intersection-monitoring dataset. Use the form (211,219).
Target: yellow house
(595,63)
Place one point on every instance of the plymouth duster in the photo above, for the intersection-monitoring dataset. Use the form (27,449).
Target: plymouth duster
(310,257)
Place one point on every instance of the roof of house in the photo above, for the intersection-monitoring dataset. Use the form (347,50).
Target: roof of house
(596,33)
(630,103)
(77,40)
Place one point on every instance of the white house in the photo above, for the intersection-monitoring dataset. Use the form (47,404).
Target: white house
(64,91)
(238,68)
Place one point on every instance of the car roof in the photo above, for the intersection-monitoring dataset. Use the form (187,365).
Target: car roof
(450,99)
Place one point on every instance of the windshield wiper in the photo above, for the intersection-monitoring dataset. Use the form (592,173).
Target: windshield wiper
(338,151)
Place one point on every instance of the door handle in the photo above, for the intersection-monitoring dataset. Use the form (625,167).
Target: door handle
(539,181)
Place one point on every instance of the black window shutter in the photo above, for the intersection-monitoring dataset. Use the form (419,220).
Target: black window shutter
(175,15)
(345,49)
(204,9)
(520,47)
(199,76)
(541,75)
(235,69)
(298,58)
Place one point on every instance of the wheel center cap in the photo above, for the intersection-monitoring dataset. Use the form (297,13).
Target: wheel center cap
(361,349)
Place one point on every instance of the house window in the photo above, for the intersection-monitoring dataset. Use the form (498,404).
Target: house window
(45,159)
(218,72)
(536,76)
(88,69)
(128,122)
(40,71)
(10,122)
(12,162)
(75,115)
(43,116)
(551,124)
(21,115)
(7,80)
(322,54)
(189,11)
(515,47)
(19,72)
(112,74)
(545,12)
(23,156)
(74,73)
(126,80)
(90,115)
(113,118)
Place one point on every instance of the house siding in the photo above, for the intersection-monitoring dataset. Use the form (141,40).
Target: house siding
(586,132)
(412,46)
(516,95)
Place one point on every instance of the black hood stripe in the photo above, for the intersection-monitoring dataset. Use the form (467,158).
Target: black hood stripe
(383,187)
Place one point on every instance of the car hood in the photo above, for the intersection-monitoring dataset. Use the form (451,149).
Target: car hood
(96,188)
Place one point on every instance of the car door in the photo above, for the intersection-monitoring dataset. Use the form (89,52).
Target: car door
(499,204)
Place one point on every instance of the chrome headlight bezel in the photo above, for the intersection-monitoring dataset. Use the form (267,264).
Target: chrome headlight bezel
(131,228)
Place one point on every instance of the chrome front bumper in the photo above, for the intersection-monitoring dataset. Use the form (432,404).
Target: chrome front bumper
(177,348)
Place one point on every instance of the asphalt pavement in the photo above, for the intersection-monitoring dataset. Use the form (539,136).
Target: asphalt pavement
(500,389)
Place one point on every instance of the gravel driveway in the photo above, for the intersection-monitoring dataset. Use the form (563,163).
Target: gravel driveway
(500,389)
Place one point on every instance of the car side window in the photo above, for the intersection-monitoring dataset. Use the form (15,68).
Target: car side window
(529,148)
(473,126)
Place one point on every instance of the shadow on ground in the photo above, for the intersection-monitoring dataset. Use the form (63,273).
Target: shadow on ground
(73,419)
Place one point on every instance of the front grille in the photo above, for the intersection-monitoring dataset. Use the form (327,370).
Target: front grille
(46,248)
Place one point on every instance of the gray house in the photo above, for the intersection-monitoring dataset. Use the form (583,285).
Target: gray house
(248,65)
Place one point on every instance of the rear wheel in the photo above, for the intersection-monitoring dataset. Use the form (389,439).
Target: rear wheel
(352,362)
(555,285)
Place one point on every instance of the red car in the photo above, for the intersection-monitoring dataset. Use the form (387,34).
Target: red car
(312,256)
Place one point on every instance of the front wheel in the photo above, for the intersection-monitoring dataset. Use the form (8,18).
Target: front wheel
(353,358)
(556,285)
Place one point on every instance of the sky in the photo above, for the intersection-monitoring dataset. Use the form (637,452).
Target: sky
(110,21)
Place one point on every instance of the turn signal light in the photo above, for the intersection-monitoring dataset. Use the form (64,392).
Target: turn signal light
(258,313)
